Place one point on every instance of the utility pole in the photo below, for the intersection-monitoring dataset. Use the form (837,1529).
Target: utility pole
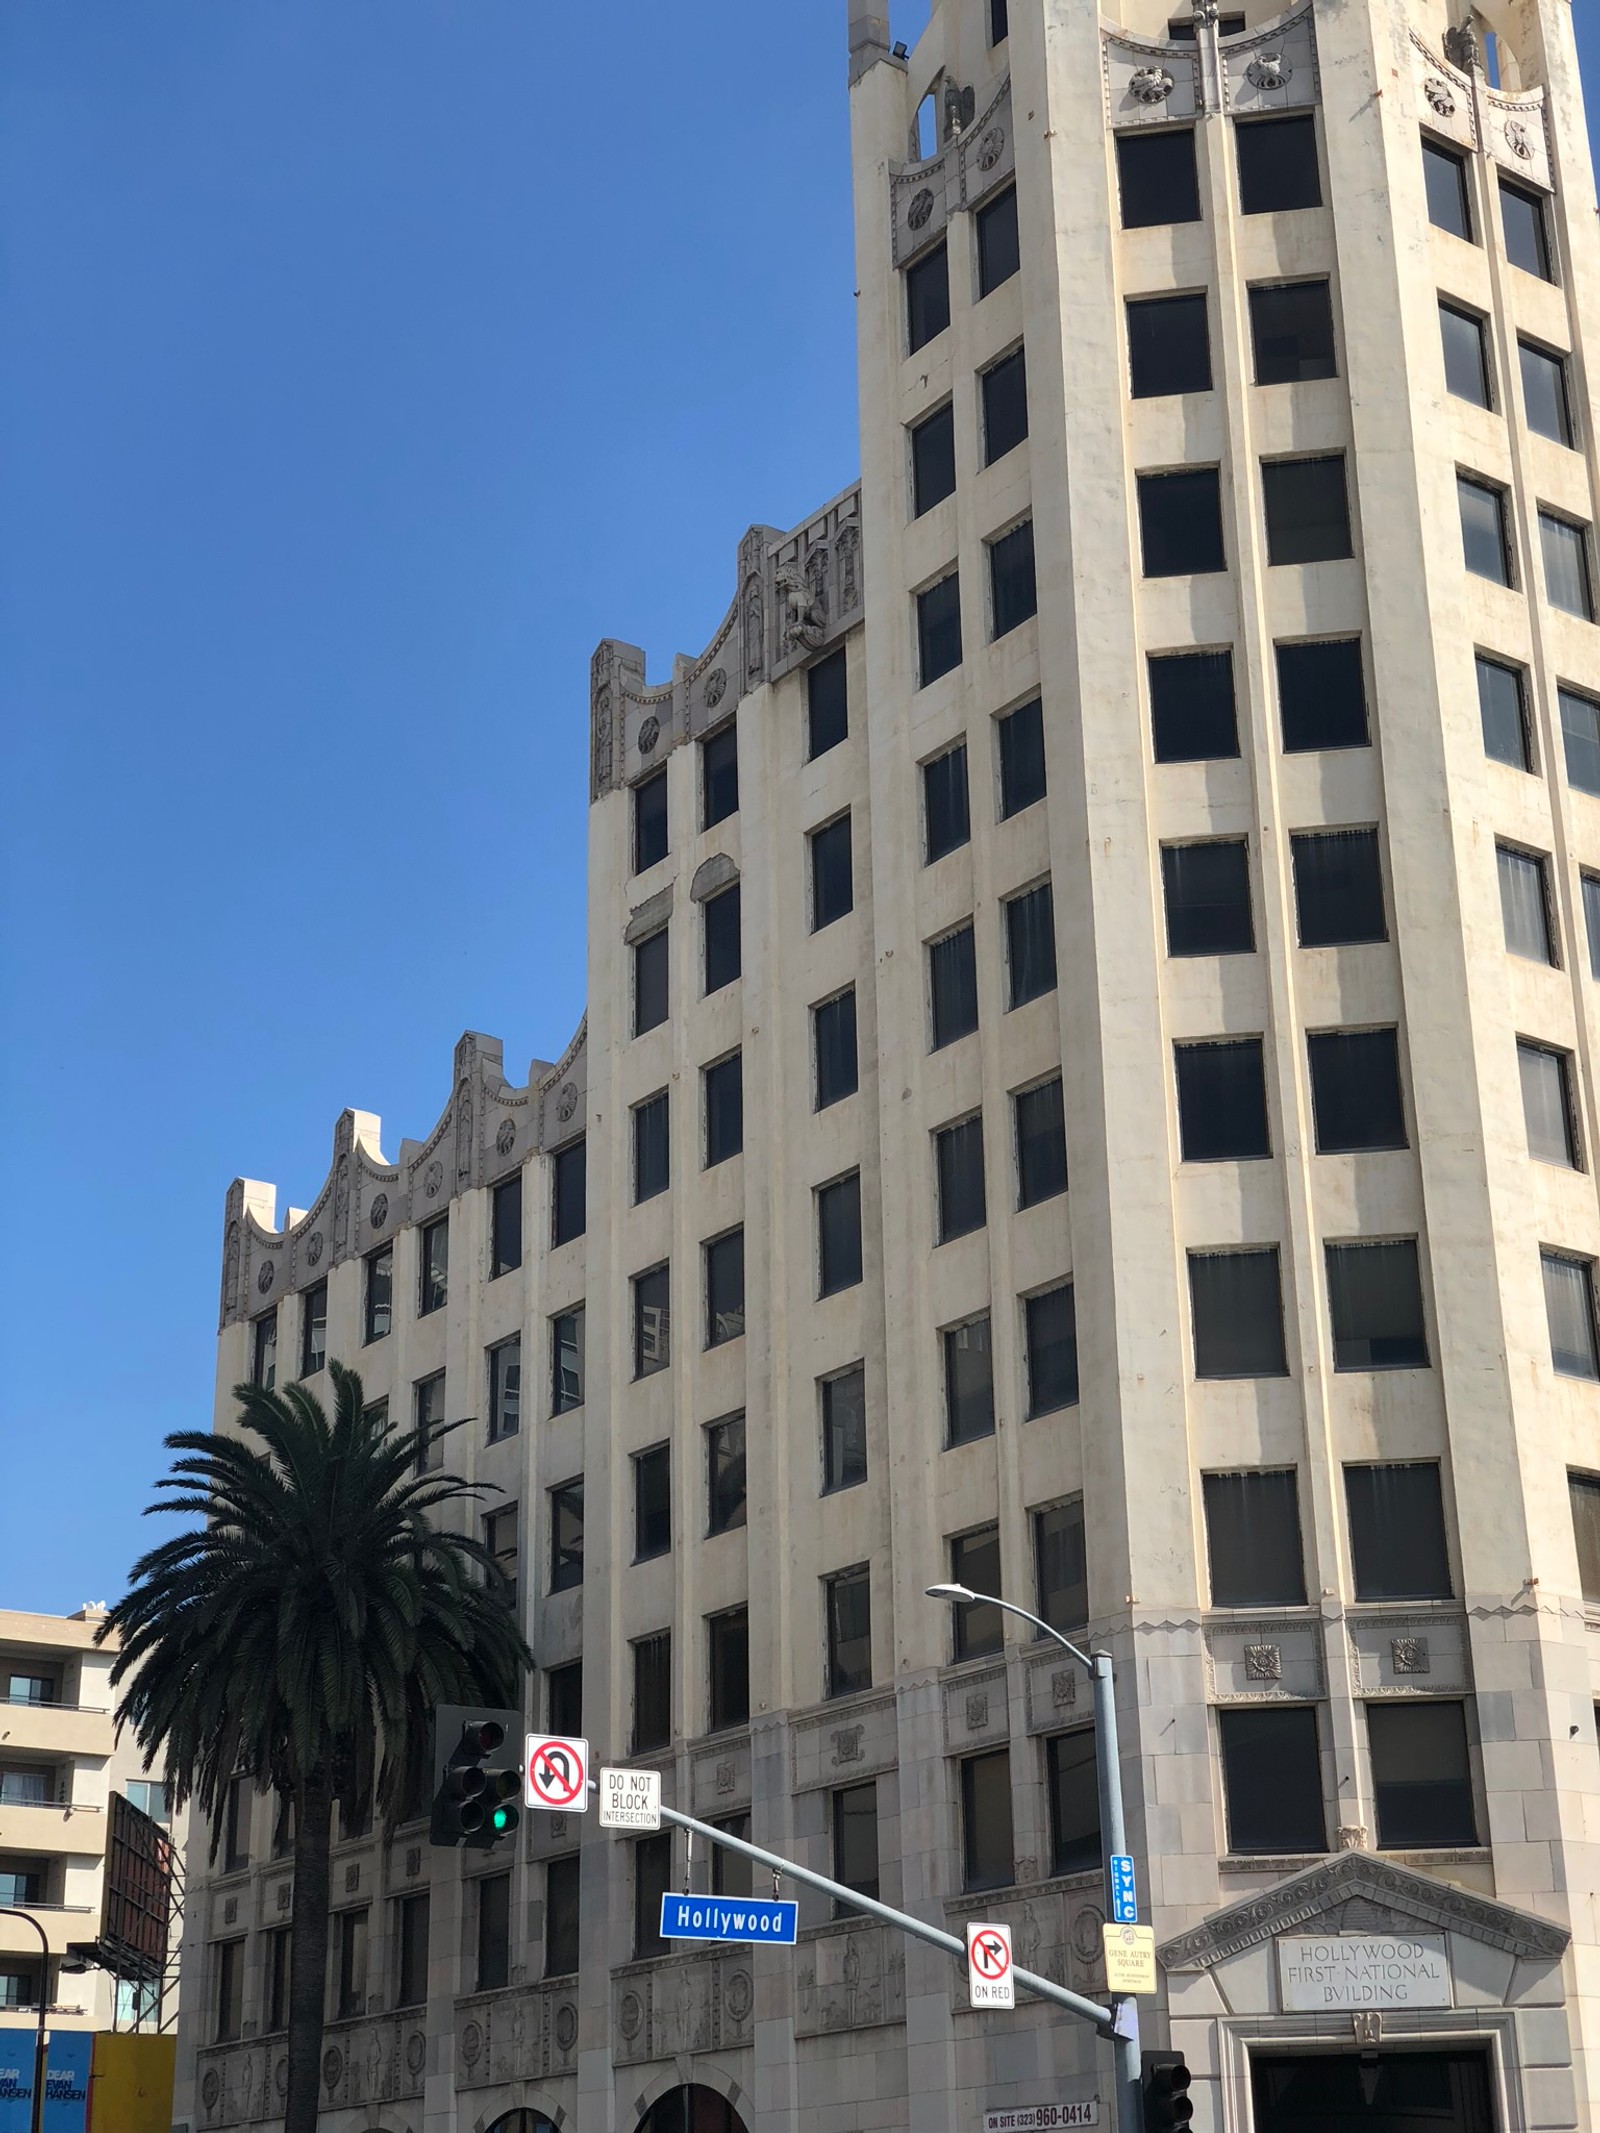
(41,2049)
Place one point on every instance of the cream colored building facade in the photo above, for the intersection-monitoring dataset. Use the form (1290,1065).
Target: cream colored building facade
(1128,868)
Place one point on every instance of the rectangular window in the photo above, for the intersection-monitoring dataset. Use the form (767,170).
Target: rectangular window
(1503,712)
(1041,1143)
(832,881)
(1546,400)
(652,1503)
(1022,779)
(566,1536)
(1180,523)
(564,1700)
(1322,695)
(569,1173)
(1397,1534)
(230,1990)
(728,1640)
(927,297)
(1192,715)
(1308,509)
(378,1309)
(1073,1784)
(855,1836)
(933,459)
(494,1932)
(833,1025)
(1253,1539)
(650,820)
(1237,1302)
(731,1873)
(1466,354)
(725,1288)
(725,1474)
(986,1840)
(650,982)
(1277,163)
(1525,904)
(1547,1106)
(1568,579)
(1005,406)
(505,1227)
(1050,1329)
(1169,348)
(1061,1565)
(721,936)
(428,1412)
(1272,1779)
(953,986)
(561,1914)
(1583,1491)
(264,1350)
(652,1879)
(314,1329)
(844,1430)
(652,1148)
(975,1562)
(839,1234)
(827,705)
(652,1692)
(1375,1301)
(723,1084)
(1222,1101)
(566,1361)
(1526,230)
(1589,886)
(958,1160)
(1356,1100)
(1421,1775)
(278,1971)
(946,812)
(1569,1306)
(435,1266)
(1157,177)
(505,1389)
(1207,893)
(1485,538)
(849,1611)
(968,1381)
(1580,732)
(1030,945)
(352,1964)
(236,1826)
(652,1321)
(1291,329)
(939,629)
(1338,887)
(1448,189)
(999,246)
(719,775)
(999,30)
(411,1936)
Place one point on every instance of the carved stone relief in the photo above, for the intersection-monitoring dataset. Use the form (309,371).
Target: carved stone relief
(849,1979)
(667,2010)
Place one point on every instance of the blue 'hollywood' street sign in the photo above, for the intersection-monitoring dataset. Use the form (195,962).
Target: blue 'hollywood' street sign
(729,1918)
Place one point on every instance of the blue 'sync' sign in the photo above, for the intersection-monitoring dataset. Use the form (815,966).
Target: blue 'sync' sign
(1124,1903)
(729,1918)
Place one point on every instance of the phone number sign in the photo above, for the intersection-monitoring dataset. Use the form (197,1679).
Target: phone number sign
(1031,2117)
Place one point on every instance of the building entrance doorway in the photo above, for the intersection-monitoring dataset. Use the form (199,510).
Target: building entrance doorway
(692,2110)
(1373,2092)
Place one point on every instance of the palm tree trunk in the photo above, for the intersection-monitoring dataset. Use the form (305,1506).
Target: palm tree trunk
(308,1955)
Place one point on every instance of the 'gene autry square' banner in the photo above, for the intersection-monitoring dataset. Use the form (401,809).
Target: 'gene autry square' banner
(1336,1970)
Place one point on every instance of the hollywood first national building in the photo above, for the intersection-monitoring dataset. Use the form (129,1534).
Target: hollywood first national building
(1088,1090)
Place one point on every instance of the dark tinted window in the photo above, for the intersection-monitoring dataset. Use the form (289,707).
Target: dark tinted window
(844,1430)
(1568,580)
(726,1475)
(849,1599)
(1005,406)
(505,1389)
(839,1233)
(729,1639)
(719,775)
(1012,588)
(1583,1492)
(652,1144)
(834,1029)
(725,1288)
(566,1361)
(1485,546)
(855,1825)
(1545,398)
(1238,1314)
(1022,778)
(494,1932)
(1421,1775)
(999,22)
(564,1700)
(652,1503)
(435,1267)
(947,818)
(975,1563)
(1589,885)
(1503,709)
(724,1087)
(999,253)
(650,982)
(1253,1539)
(986,1840)
(1322,696)
(1278,163)
(1527,232)
(958,1156)
(652,1691)
(1030,945)
(1569,1307)
(1449,195)
(1050,1334)
(561,1917)
(1525,904)
(566,1537)
(1397,1538)
(1308,511)
(1222,1101)
(652,1321)
(1272,1778)
(1180,523)
(428,1418)
(652,1879)
(953,987)
(1466,355)
(827,704)
(1375,1302)
(1207,891)
(1192,718)
(380,1274)
(1041,1144)
(927,297)
(650,821)
(412,1921)
(1157,178)
(933,460)
(1338,887)
(1169,350)
(1355,1090)
(505,1227)
(968,1382)
(1291,328)
(939,629)
(1074,1802)
(1061,1565)
(569,1169)
(1547,1107)
(832,883)
(723,951)
(264,1350)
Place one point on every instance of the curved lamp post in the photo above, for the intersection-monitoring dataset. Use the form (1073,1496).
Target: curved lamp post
(41,2049)
(1113,1834)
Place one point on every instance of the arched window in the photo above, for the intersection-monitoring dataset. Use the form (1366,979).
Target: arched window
(523,2122)
(691,2110)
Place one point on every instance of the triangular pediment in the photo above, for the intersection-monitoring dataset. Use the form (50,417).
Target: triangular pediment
(1357,1893)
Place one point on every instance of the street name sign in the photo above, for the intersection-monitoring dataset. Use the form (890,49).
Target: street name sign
(1124,1901)
(557,1774)
(990,1982)
(1042,2117)
(1130,1958)
(763,1918)
(630,1799)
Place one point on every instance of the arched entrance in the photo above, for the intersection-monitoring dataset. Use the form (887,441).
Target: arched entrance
(691,2110)
(522,2122)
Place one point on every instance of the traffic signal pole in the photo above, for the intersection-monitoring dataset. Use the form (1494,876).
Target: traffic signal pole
(1129,2073)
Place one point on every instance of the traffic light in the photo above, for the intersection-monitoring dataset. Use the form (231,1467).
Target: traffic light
(477,1775)
(1164,2081)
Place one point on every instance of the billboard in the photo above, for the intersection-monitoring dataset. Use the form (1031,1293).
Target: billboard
(131,2090)
(137,1910)
(66,2084)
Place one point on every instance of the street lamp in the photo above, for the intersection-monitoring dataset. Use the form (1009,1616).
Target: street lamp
(1113,1833)
(41,2049)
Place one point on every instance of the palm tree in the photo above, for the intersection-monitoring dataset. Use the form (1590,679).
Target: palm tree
(303,1633)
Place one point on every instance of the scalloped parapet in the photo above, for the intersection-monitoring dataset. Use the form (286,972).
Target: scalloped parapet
(489,1127)
(798,594)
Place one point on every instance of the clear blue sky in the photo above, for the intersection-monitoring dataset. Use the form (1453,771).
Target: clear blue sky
(361,365)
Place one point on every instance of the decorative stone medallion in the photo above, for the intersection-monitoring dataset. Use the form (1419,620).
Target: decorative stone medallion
(285,1895)
(1409,1655)
(416,2051)
(413,1862)
(1087,1926)
(314,1248)
(725,1774)
(433,1178)
(1517,140)
(280,2079)
(649,734)
(1263,1662)
(1268,70)
(266,1276)
(471,2043)
(332,2066)
(210,2088)
(567,1101)
(566,2025)
(230,1911)
(378,1213)
(1438,94)
(991,148)
(740,1996)
(1150,85)
(847,1745)
(1064,1687)
(977,1711)
(920,213)
(352,1879)
(630,2015)
(506,1139)
(716,687)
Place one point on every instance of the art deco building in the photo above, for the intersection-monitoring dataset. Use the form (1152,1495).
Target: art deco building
(1089,1089)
